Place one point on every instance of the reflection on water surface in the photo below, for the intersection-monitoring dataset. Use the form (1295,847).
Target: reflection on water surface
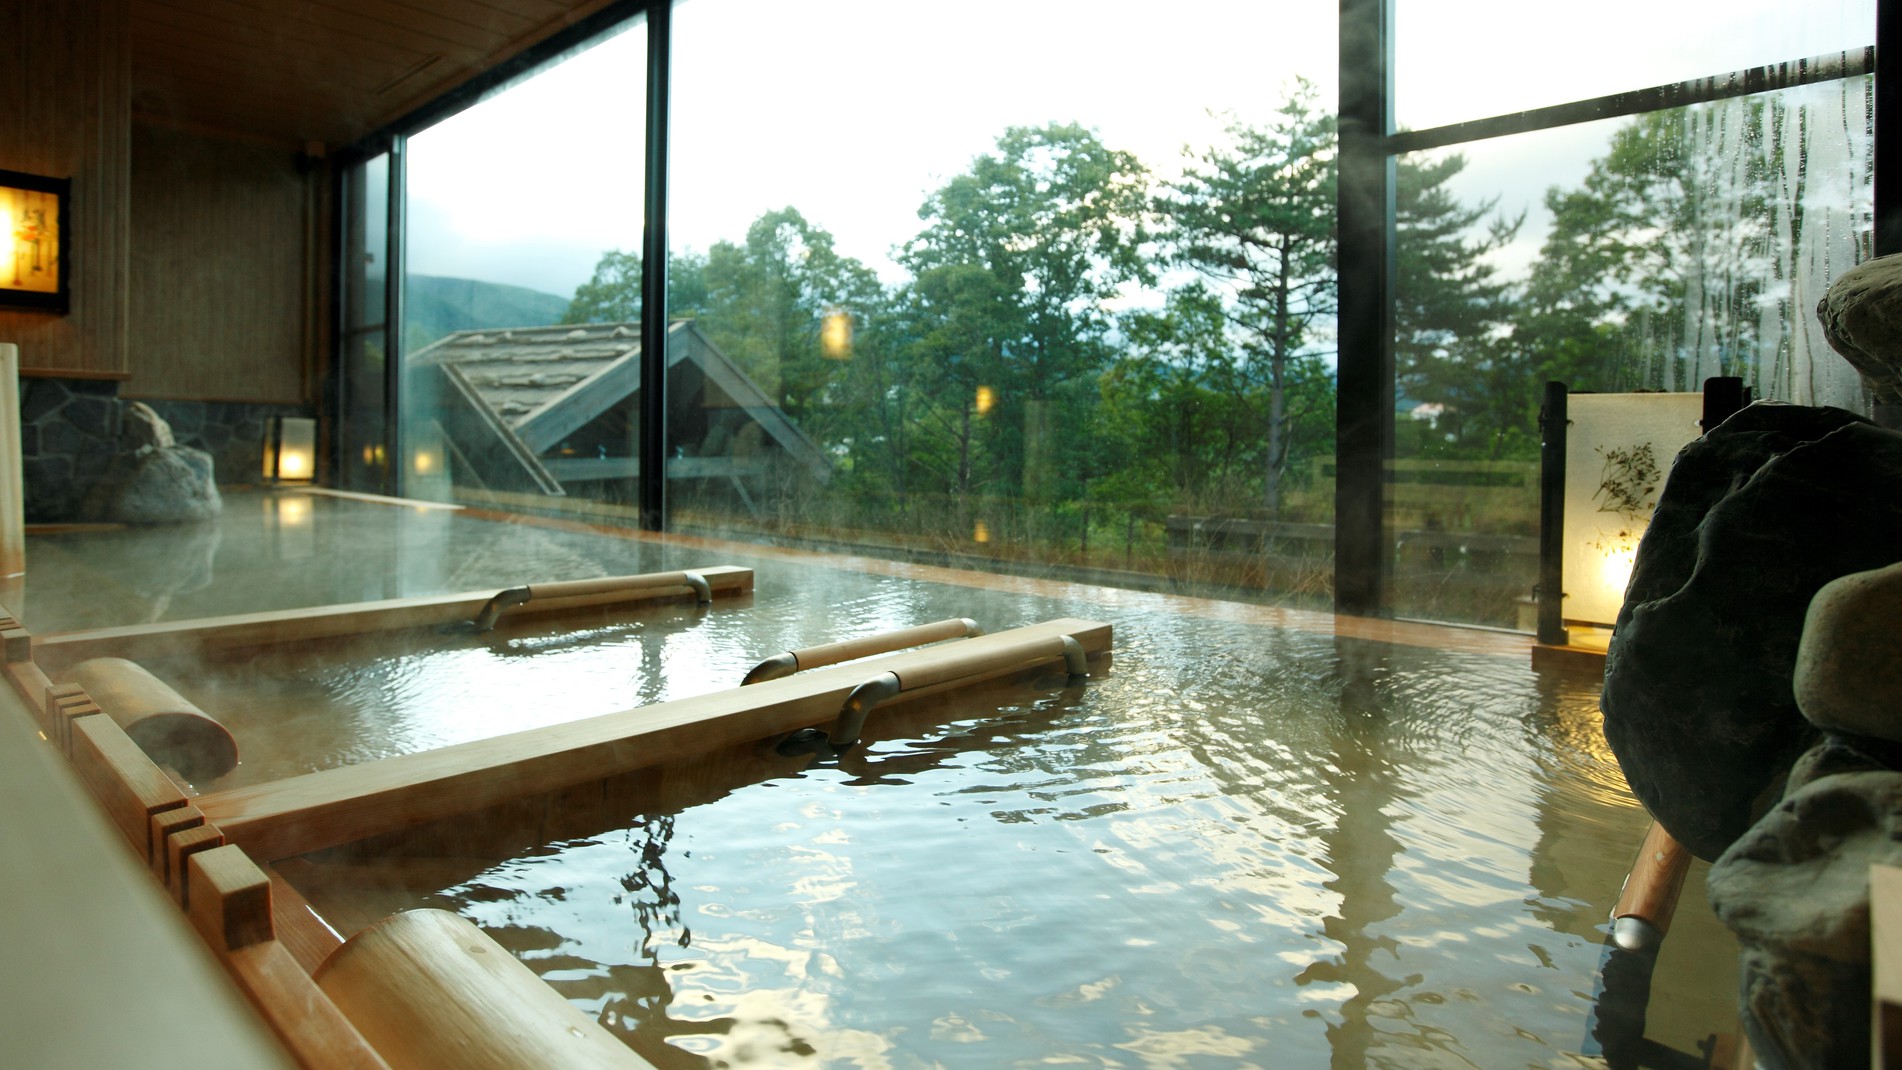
(1243,845)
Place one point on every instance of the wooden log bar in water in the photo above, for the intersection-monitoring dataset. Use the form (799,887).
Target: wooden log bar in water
(336,806)
(815,657)
(165,724)
(428,990)
(1643,913)
(948,664)
(238,631)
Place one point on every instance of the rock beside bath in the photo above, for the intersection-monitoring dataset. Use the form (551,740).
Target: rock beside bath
(141,429)
(1754,518)
(167,486)
(1795,891)
(1849,664)
(1861,313)
(152,480)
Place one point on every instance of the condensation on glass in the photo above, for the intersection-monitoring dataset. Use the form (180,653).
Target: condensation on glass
(1650,253)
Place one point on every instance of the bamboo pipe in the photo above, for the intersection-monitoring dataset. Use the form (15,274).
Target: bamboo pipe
(953,663)
(550,595)
(165,724)
(1643,913)
(813,657)
(429,990)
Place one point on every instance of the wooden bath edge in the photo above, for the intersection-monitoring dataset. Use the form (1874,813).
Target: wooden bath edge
(55,652)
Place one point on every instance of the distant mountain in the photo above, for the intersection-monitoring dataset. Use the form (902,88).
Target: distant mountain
(435,306)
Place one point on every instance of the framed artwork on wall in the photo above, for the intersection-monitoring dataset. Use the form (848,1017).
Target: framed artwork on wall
(34,229)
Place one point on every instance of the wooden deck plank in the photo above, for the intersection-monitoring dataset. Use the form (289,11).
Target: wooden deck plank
(179,848)
(127,784)
(308,936)
(30,684)
(337,806)
(163,826)
(316,1032)
(230,899)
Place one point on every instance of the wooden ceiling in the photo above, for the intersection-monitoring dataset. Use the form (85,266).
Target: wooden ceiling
(330,71)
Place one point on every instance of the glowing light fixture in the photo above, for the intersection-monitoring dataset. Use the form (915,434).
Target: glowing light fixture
(835,335)
(986,400)
(33,241)
(981,533)
(1605,460)
(1617,451)
(290,450)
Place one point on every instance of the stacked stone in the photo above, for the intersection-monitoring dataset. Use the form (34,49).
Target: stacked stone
(1795,886)
(70,434)
(1753,691)
(69,430)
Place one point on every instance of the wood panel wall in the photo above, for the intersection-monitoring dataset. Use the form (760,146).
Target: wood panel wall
(223,297)
(65,111)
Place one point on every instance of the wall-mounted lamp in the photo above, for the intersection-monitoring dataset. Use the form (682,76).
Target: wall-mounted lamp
(290,449)
(33,241)
(1604,460)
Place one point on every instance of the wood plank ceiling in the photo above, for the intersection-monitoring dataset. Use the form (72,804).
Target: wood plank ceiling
(329,71)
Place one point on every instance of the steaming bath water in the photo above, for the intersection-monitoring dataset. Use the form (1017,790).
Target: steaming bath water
(1250,842)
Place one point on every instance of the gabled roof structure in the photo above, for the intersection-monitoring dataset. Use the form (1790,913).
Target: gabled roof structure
(533,408)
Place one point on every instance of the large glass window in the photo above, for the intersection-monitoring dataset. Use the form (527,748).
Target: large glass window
(1081,318)
(361,435)
(519,379)
(1015,289)
(1470,59)
(1648,253)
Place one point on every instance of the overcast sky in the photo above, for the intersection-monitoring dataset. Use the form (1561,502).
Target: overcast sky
(853,111)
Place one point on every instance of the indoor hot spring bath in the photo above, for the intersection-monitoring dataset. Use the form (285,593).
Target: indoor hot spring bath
(1250,837)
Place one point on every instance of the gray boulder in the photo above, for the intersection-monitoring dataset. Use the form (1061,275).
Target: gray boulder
(1861,314)
(1795,891)
(166,486)
(152,480)
(1849,664)
(1754,518)
(142,429)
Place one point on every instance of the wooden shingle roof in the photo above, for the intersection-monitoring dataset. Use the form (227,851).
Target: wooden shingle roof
(526,389)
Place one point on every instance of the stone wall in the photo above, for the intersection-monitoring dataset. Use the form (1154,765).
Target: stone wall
(69,431)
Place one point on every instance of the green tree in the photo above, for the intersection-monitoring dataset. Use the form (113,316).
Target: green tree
(1056,220)
(767,299)
(1256,216)
(1450,309)
(1659,264)
(1180,403)
(613,294)
(763,301)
